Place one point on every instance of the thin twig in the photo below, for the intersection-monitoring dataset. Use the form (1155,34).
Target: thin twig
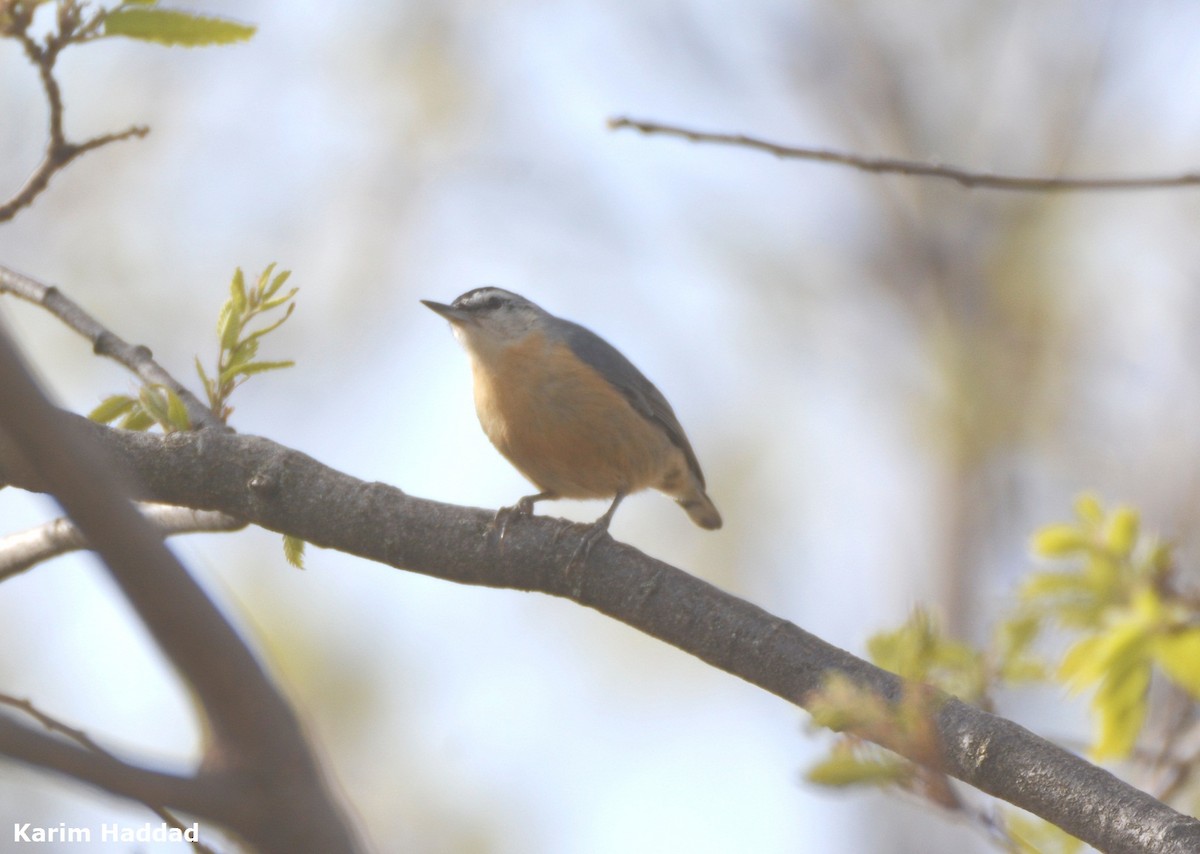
(82,738)
(59,150)
(137,359)
(891,165)
(24,550)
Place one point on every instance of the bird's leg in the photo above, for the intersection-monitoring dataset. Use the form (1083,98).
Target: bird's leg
(593,534)
(524,507)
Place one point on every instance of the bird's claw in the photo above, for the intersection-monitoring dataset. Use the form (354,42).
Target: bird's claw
(505,515)
(590,537)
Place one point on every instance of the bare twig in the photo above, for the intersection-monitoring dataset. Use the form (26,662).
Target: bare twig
(890,165)
(82,738)
(137,359)
(26,549)
(72,29)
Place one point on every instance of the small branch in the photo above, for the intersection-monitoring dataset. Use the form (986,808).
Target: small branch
(82,738)
(137,359)
(55,159)
(59,150)
(889,165)
(25,549)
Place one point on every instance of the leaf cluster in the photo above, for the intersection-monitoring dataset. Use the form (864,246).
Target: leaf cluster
(154,404)
(1112,591)
(238,357)
(1118,597)
(236,362)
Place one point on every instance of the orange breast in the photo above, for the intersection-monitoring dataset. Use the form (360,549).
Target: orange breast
(566,428)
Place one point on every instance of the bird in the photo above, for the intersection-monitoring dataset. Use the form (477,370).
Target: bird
(571,413)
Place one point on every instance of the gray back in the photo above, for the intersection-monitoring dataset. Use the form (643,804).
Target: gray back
(630,382)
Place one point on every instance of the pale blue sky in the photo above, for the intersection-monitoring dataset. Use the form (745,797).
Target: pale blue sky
(391,152)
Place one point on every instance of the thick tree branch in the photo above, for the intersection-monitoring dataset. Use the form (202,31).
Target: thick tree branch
(885,165)
(23,550)
(256,742)
(283,490)
(137,359)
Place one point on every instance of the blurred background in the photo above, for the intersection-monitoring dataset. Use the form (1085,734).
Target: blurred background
(889,381)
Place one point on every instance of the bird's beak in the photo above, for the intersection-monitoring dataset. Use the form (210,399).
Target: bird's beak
(454,315)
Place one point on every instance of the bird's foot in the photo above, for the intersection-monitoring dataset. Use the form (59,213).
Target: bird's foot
(505,515)
(590,537)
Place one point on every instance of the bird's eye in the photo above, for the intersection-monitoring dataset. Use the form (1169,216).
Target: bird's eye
(491,303)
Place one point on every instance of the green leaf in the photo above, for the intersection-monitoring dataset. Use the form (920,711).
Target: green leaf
(1017,634)
(177,414)
(154,402)
(208,386)
(841,704)
(1178,654)
(112,408)
(1089,509)
(245,350)
(237,291)
(909,650)
(1119,660)
(173,27)
(1027,669)
(1122,532)
(1120,704)
(844,769)
(229,325)
(261,285)
(137,419)
(918,650)
(1013,641)
(247,369)
(251,368)
(1033,835)
(1041,585)
(293,550)
(259,333)
(1060,541)
(1160,561)
(277,283)
(1081,666)
(278,301)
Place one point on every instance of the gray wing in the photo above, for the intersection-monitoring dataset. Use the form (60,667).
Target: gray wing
(625,378)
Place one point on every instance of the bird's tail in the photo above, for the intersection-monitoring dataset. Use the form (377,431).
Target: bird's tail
(700,507)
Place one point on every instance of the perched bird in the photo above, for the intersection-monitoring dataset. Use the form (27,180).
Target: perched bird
(569,411)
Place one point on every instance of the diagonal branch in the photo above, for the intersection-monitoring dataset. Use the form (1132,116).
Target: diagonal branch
(137,359)
(891,165)
(283,490)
